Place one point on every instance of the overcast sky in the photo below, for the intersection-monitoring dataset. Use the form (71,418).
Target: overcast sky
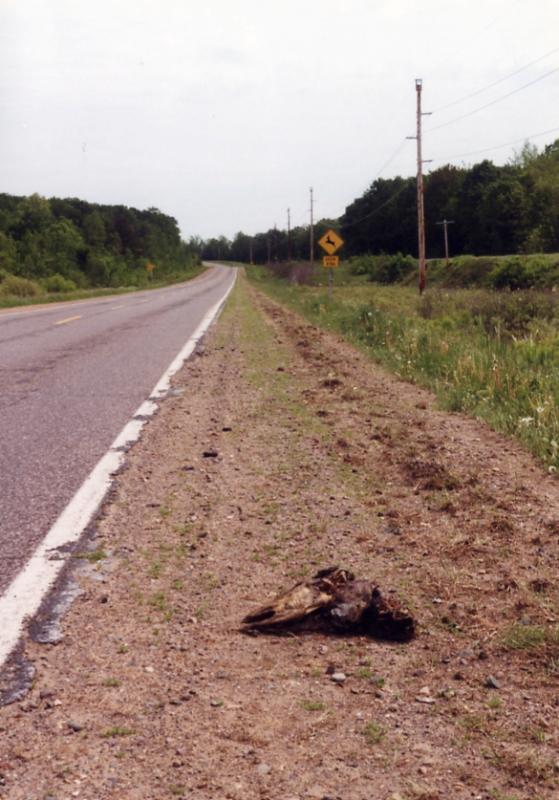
(224,113)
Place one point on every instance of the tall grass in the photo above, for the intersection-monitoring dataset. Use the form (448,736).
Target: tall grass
(492,355)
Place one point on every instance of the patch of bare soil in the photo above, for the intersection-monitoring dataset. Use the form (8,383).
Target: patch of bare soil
(288,452)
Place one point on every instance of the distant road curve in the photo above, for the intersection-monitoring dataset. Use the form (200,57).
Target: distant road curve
(72,375)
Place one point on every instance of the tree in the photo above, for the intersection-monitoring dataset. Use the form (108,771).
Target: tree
(33,215)
(94,230)
(504,214)
(442,187)
(8,253)
(63,247)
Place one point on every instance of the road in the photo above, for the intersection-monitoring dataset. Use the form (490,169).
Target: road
(72,375)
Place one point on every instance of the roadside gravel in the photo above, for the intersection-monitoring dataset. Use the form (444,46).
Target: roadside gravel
(313,457)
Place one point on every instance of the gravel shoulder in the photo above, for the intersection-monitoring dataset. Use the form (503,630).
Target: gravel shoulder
(319,458)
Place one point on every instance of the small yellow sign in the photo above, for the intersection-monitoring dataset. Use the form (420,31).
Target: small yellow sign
(330,261)
(331,242)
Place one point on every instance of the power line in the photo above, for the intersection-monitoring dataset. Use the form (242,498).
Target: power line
(376,176)
(497,146)
(375,211)
(499,17)
(390,160)
(496,83)
(472,37)
(494,102)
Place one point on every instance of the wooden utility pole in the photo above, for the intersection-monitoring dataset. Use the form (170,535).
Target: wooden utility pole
(420,206)
(311,244)
(445,223)
(420,196)
(289,234)
(250,251)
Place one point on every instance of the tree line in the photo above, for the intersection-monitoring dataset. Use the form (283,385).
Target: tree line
(88,244)
(496,210)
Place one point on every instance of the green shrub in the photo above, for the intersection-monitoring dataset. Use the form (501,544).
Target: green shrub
(383,268)
(360,265)
(15,286)
(58,283)
(511,273)
(513,312)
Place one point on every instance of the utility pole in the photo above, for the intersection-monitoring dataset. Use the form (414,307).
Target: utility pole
(250,251)
(445,223)
(312,232)
(420,196)
(289,234)
(275,243)
(269,246)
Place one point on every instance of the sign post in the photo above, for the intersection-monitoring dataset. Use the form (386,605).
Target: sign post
(330,243)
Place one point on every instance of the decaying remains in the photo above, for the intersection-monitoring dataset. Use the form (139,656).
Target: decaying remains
(334,601)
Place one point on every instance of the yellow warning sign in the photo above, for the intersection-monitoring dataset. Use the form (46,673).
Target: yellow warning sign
(331,242)
(330,261)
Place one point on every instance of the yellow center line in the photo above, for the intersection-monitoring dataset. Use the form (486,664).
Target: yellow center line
(68,319)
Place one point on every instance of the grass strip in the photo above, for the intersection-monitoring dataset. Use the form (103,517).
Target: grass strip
(493,355)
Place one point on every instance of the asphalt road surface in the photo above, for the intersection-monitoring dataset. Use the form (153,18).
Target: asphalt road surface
(71,377)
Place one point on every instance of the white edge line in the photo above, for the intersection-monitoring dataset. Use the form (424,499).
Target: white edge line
(25,594)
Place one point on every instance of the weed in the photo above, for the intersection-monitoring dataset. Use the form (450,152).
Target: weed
(527,764)
(122,648)
(316,672)
(94,556)
(117,730)
(185,529)
(313,705)
(158,601)
(495,703)
(111,682)
(539,736)
(210,581)
(495,794)
(528,637)
(201,611)
(155,570)
(177,791)
(473,723)
(364,672)
(373,733)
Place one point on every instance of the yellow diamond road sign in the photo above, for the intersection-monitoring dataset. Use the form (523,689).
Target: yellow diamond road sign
(331,242)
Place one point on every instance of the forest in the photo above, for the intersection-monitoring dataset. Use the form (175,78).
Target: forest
(65,244)
(495,210)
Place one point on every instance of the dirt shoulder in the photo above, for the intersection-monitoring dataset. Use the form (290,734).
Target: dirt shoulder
(320,459)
